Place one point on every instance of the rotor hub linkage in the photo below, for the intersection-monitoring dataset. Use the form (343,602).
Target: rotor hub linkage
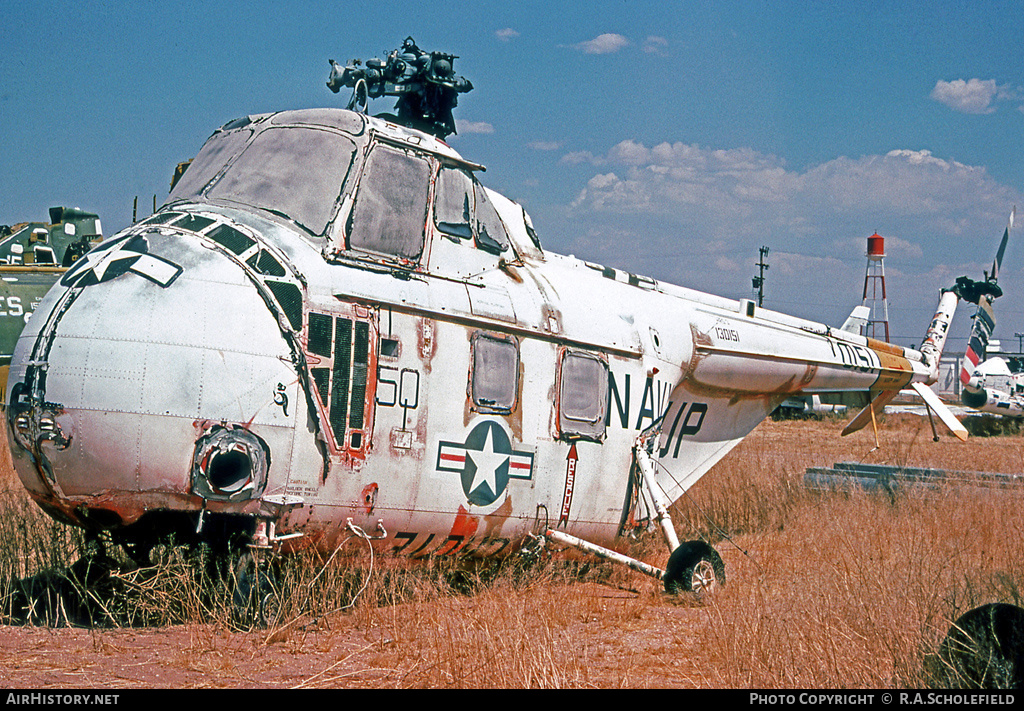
(972,291)
(425,83)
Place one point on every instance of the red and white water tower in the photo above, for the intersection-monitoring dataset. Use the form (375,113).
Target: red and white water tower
(874,290)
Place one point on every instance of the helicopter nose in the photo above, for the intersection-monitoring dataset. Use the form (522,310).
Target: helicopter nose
(157,374)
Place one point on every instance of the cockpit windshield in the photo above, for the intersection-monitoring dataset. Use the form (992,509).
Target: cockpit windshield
(295,171)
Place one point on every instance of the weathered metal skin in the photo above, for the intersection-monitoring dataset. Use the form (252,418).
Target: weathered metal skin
(282,347)
(133,368)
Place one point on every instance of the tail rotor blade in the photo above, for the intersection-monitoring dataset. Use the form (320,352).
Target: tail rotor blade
(1002,246)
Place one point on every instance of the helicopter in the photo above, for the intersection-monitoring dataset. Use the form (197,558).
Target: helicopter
(332,328)
(990,385)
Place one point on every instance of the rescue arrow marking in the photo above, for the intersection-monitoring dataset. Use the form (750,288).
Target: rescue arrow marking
(570,480)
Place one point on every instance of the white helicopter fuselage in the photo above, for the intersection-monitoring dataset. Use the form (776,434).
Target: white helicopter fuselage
(307,338)
(995,393)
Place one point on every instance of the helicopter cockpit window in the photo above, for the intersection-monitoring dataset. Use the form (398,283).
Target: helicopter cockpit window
(221,147)
(494,382)
(453,204)
(390,208)
(582,395)
(462,210)
(293,171)
(491,235)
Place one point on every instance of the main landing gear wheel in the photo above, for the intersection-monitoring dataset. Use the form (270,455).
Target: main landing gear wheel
(256,599)
(694,567)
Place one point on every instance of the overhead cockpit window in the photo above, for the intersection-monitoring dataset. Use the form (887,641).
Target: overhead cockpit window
(582,395)
(293,171)
(230,238)
(195,223)
(390,208)
(162,218)
(264,262)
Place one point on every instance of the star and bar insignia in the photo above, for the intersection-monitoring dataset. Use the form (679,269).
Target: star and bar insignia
(109,261)
(485,462)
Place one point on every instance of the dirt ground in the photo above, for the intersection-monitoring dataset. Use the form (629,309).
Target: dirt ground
(343,653)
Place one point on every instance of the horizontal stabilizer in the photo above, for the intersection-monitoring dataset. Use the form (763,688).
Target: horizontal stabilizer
(939,408)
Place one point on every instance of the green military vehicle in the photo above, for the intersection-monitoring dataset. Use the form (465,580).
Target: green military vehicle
(33,255)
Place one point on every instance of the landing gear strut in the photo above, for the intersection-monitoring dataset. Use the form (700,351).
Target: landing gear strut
(256,599)
(693,566)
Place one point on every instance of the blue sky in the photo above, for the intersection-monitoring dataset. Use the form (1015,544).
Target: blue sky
(668,139)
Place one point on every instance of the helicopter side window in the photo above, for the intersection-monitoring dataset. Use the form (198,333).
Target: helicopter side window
(390,209)
(44,254)
(453,204)
(582,395)
(491,235)
(462,210)
(494,380)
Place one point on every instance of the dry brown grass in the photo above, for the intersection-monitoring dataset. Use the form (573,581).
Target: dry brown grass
(851,590)
(843,590)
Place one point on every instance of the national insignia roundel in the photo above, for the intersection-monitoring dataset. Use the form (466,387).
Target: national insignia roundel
(485,462)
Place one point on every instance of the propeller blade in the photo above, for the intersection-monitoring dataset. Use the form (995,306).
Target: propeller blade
(939,408)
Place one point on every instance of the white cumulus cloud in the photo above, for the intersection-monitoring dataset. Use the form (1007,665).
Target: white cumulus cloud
(696,215)
(680,198)
(578,157)
(473,127)
(603,44)
(656,45)
(970,97)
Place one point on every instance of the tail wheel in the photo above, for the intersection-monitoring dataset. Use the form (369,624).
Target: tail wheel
(694,567)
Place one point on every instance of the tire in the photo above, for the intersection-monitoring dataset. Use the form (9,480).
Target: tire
(984,649)
(255,598)
(694,567)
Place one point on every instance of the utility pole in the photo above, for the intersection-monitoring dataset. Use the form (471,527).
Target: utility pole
(759,279)
(1020,339)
